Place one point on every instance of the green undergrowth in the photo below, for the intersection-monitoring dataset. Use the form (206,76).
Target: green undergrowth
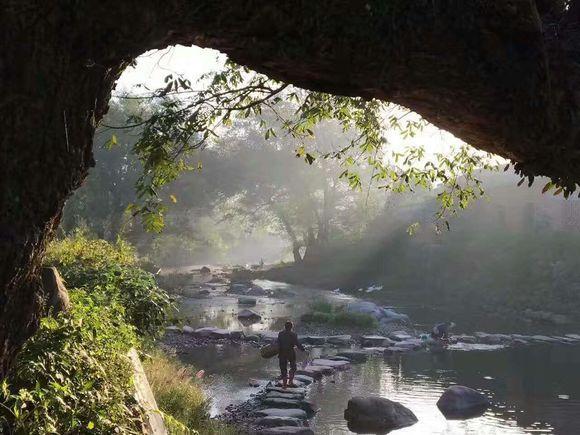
(324,313)
(73,376)
(180,395)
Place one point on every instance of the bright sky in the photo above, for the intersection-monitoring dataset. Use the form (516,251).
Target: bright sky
(191,62)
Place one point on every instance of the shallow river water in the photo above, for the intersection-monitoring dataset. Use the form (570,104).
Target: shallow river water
(534,389)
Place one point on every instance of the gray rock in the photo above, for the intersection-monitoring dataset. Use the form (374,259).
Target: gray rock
(459,402)
(356,356)
(377,414)
(248,315)
(393,350)
(289,403)
(326,370)
(339,340)
(286,430)
(390,315)
(202,332)
(338,365)
(189,330)
(253,338)
(277,422)
(237,335)
(283,412)
(256,290)
(573,336)
(219,333)
(466,339)
(174,328)
(268,335)
(286,390)
(305,379)
(374,350)
(286,395)
(375,340)
(311,371)
(400,336)
(313,339)
(365,307)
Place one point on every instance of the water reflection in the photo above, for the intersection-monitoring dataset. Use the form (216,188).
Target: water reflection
(524,384)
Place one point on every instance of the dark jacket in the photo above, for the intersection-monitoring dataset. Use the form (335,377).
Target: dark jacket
(287,340)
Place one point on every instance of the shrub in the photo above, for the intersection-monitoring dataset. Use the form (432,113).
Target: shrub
(180,397)
(72,376)
(322,312)
(99,266)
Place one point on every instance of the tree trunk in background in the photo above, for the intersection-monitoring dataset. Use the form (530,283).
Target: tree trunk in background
(496,74)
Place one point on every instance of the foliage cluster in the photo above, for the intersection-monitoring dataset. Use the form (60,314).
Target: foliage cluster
(73,376)
(98,266)
(325,313)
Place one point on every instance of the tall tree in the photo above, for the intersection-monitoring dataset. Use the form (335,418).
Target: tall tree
(500,75)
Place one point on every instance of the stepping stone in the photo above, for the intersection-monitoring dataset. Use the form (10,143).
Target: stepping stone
(286,395)
(268,335)
(339,340)
(356,356)
(394,350)
(304,378)
(286,430)
(299,384)
(339,365)
(277,422)
(466,339)
(312,371)
(326,370)
(237,335)
(287,390)
(283,412)
(335,358)
(289,403)
(573,336)
(544,338)
(375,340)
(313,339)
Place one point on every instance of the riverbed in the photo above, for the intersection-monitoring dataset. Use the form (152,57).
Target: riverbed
(533,389)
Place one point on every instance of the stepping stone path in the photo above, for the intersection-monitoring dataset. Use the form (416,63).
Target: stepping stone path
(277,410)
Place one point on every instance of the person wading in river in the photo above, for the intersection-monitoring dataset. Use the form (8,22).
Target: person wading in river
(287,340)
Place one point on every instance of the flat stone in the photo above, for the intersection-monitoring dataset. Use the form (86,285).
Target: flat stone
(339,340)
(339,365)
(298,384)
(544,338)
(394,350)
(466,339)
(286,390)
(286,430)
(573,336)
(313,340)
(354,356)
(286,395)
(326,370)
(335,358)
(306,379)
(277,422)
(375,340)
(268,335)
(283,412)
(313,372)
(289,403)
(248,314)
(374,350)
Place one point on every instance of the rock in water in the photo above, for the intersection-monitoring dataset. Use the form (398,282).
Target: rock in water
(205,270)
(283,412)
(248,315)
(459,402)
(250,302)
(277,422)
(377,414)
(56,294)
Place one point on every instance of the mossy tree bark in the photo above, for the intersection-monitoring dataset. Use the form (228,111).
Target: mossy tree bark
(500,75)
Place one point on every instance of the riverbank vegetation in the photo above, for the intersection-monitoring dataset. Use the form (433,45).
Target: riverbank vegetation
(326,314)
(73,376)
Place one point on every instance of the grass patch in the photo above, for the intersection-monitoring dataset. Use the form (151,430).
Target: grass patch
(324,313)
(180,397)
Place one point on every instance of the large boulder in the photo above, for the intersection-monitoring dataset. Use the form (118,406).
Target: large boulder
(459,402)
(365,307)
(56,294)
(377,414)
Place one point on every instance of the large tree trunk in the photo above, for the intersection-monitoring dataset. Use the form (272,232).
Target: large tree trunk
(494,73)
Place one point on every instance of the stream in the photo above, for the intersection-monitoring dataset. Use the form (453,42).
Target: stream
(534,389)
